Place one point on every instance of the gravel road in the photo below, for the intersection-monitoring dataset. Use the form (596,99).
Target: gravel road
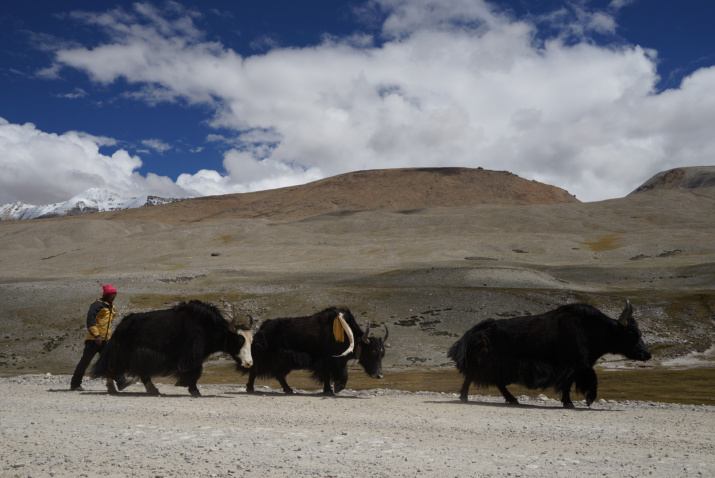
(48,431)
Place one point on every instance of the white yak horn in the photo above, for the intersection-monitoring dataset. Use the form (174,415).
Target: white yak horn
(350,335)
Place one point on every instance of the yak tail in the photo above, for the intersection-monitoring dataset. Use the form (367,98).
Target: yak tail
(472,356)
(458,352)
(472,348)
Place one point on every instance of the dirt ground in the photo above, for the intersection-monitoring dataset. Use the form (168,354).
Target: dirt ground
(47,430)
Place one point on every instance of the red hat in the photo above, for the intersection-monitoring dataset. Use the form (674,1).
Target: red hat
(108,289)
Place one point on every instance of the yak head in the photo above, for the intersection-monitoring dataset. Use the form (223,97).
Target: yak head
(369,352)
(629,341)
(239,340)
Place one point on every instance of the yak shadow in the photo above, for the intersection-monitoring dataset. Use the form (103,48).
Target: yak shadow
(280,394)
(135,394)
(520,406)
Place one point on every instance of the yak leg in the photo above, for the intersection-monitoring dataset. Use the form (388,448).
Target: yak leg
(587,383)
(286,388)
(150,387)
(566,399)
(507,396)
(188,378)
(464,391)
(566,394)
(251,379)
(324,377)
(194,391)
(110,387)
(339,376)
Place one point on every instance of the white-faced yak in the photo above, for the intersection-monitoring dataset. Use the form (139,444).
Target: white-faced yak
(550,350)
(321,343)
(172,342)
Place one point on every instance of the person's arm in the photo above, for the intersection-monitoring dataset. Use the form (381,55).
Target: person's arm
(92,322)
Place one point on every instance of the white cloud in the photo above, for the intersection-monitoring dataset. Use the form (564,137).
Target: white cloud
(76,93)
(254,174)
(43,168)
(452,83)
(157,145)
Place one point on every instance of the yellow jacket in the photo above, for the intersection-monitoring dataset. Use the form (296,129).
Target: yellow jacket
(99,320)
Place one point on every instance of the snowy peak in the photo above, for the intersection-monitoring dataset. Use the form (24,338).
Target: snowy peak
(89,201)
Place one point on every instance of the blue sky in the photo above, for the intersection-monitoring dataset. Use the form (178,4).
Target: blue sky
(189,98)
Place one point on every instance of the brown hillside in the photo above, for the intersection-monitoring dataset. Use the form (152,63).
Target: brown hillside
(680,178)
(388,189)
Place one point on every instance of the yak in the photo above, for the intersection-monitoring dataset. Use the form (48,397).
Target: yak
(551,350)
(321,343)
(172,342)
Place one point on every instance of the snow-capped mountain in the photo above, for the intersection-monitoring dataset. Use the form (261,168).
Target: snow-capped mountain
(91,200)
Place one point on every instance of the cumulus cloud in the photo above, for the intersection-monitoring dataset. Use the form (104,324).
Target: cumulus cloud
(43,168)
(444,83)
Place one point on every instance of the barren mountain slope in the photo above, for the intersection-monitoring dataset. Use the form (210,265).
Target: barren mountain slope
(388,189)
(428,274)
(680,178)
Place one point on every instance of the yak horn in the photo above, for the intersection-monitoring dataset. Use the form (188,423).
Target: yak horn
(232,325)
(626,314)
(350,335)
(252,320)
(365,338)
(387,333)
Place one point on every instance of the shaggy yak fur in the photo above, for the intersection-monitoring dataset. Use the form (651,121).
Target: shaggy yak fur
(553,349)
(171,342)
(309,343)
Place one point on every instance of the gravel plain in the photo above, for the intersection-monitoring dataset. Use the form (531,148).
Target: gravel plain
(48,431)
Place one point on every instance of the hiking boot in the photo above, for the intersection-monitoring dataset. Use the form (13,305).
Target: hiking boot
(121,385)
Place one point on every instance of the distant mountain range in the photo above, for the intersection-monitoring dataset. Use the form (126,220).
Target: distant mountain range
(91,200)
(387,189)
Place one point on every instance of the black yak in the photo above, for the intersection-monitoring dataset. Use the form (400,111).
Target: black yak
(172,342)
(322,344)
(554,349)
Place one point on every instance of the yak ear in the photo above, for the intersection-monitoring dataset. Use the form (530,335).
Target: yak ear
(626,314)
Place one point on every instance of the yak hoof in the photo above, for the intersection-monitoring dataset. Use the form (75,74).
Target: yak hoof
(195,393)
(512,402)
(569,405)
(111,389)
(151,389)
(464,398)
(288,391)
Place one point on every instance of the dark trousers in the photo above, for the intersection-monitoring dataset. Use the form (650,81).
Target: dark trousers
(90,350)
